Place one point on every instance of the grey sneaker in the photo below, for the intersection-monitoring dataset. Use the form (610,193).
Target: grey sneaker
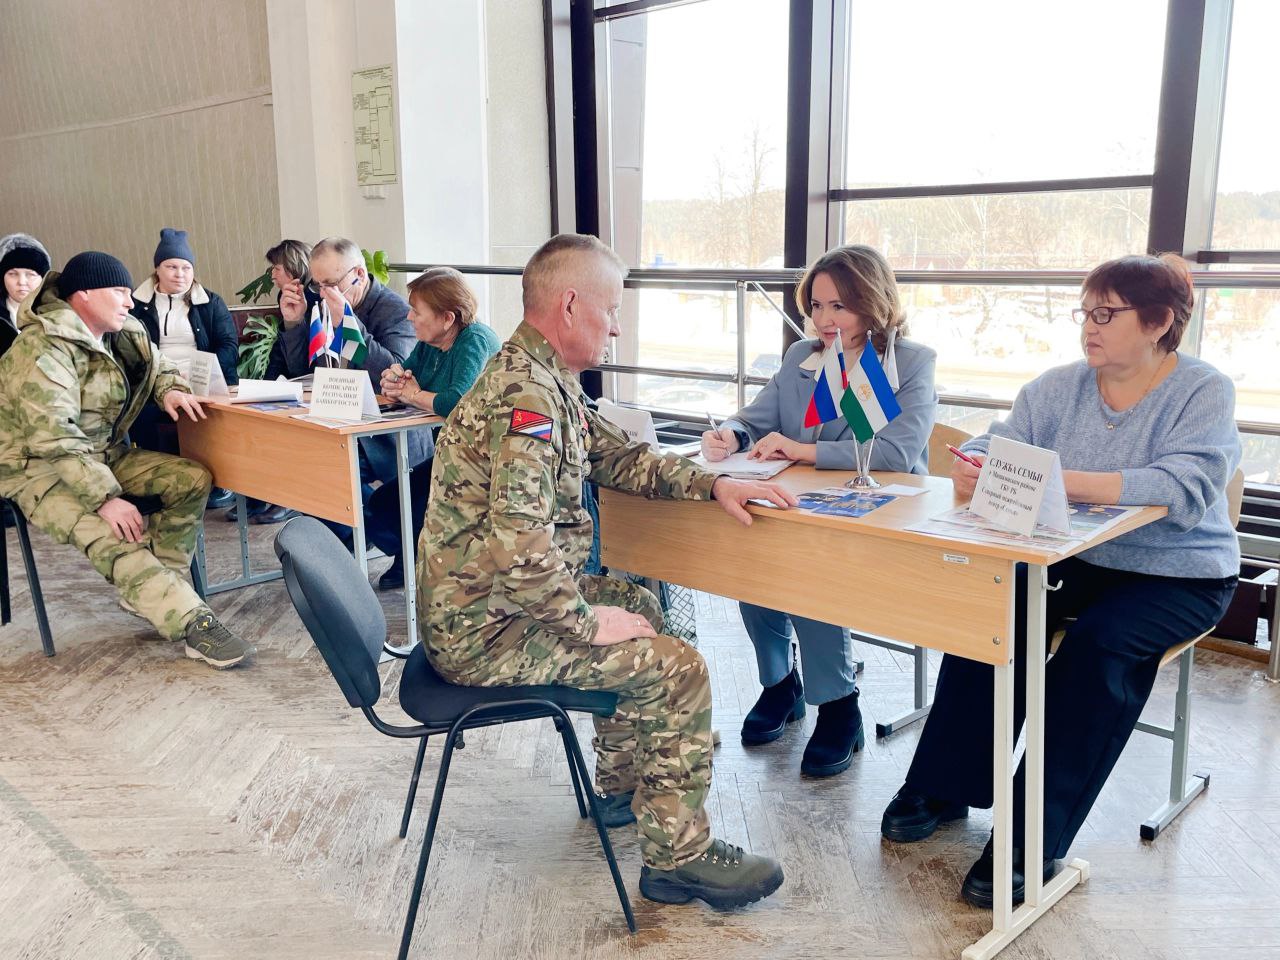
(208,640)
(724,876)
(615,811)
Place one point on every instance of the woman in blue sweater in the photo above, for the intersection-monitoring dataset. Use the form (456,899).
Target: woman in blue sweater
(452,350)
(849,292)
(1134,423)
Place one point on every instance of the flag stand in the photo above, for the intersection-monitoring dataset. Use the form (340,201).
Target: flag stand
(864,480)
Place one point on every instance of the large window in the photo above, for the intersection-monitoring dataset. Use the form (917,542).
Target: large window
(992,151)
(942,92)
(1247,207)
(1006,137)
(697,132)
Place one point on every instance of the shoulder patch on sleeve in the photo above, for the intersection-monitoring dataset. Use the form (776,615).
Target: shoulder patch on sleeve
(530,423)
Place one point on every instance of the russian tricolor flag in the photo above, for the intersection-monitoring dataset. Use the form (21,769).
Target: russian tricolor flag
(829,385)
(868,403)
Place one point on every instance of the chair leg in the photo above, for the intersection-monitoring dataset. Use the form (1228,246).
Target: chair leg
(424,857)
(413,789)
(6,614)
(920,676)
(33,582)
(571,742)
(197,567)
(1182,789)
(562,727)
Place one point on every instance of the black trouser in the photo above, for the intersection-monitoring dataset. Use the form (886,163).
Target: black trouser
(382,512)
(1094,690)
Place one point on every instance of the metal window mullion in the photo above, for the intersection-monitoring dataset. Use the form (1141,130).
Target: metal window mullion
(1135,181)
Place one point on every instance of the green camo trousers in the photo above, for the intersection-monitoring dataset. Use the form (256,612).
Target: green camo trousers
(154,575)
(659,741)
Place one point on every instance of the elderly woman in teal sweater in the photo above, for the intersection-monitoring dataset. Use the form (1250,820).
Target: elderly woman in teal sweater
(452,350)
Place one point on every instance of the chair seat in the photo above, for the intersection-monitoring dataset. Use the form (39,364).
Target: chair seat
(1170,655)
(432,700)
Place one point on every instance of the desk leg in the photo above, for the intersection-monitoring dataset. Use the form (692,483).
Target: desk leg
(1008,923)
(247,576)
(357,507)
(407,547)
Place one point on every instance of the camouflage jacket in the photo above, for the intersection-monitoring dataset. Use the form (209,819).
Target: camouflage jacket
(506,532)
(65,399)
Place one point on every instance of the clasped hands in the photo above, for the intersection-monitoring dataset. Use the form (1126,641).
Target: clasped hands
(396,380)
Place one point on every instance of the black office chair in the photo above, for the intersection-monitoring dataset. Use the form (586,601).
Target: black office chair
(33,576)
(341,612)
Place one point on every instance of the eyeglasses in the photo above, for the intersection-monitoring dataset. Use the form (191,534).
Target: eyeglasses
(1099,315)
(316,286)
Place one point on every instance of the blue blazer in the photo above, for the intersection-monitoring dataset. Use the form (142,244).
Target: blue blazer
(901,447)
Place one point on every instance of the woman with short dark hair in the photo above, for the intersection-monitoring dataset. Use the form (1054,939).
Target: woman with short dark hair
(1134,423)
(452,349)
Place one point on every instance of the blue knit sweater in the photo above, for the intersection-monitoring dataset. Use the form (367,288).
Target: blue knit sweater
(1175,448)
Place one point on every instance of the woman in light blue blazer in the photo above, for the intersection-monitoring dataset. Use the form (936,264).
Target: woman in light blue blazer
(850,292)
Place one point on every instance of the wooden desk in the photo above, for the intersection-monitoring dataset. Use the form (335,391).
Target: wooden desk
(881,578)
(276,457)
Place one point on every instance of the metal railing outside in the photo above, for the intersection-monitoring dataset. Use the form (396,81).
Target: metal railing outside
(745,282)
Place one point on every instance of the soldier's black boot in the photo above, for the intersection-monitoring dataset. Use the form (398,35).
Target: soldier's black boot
(615,810)
(778,705)
(724,876)
(836,738)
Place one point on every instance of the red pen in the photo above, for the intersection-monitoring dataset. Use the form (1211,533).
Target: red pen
(964,456)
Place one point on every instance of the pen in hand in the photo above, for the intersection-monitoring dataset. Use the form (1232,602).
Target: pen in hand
(964,456)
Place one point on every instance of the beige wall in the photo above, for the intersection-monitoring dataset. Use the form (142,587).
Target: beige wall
(519,167)
(121,117)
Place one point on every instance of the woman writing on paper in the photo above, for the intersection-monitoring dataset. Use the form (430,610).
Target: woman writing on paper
(850,293)
(1134,423)
(452,349)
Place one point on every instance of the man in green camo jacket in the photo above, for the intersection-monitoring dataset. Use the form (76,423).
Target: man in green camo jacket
(501,555)
(70,387)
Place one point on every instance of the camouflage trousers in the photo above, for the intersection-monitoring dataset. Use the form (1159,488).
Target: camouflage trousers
(659,741)
(153,576)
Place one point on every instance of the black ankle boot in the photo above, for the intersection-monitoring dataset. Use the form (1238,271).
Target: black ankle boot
(836,738)
(778,705)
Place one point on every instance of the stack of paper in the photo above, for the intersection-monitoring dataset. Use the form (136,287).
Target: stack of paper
(742,466)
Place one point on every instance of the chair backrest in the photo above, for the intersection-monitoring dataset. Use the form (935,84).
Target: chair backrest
(939,456)
(1235,496)
(337,605)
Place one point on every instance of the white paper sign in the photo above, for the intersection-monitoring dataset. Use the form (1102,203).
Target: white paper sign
(345,395)
(1020,486)
(206,376)
(264,391)
(637,424)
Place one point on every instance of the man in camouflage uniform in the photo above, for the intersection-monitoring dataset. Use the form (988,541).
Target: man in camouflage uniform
(500,558)
(70,387)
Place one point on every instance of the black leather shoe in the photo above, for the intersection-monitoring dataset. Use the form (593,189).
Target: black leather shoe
(911,817)
(273,514)
(979,888)
(836,738)
(778,705)
(220,497)
(253,507)
(393,577)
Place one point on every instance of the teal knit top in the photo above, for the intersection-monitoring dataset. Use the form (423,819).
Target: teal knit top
(450,373)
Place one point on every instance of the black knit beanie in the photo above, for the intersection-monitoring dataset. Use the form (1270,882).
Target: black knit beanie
(173,245)
(18,251)
(92,270)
